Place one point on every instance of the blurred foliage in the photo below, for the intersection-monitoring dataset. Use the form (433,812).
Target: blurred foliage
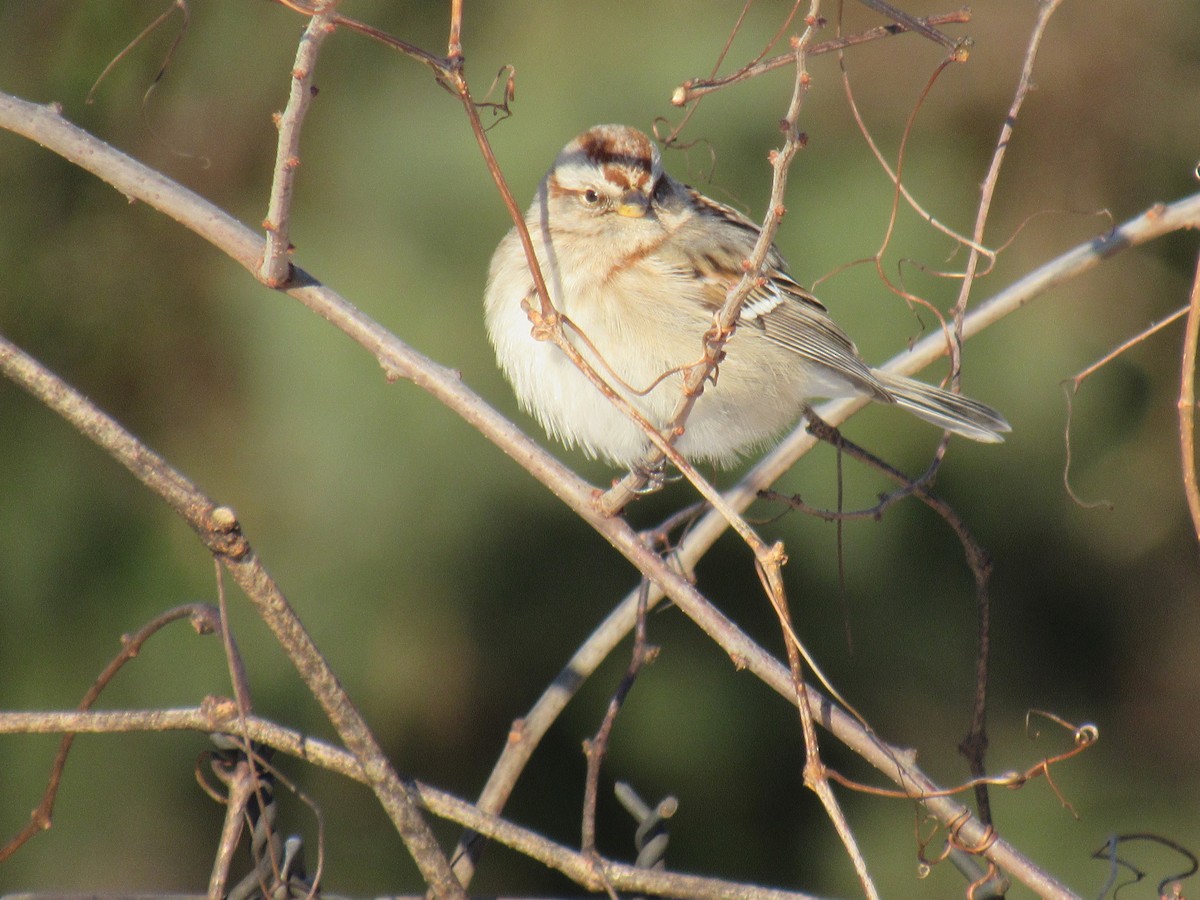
(445,586)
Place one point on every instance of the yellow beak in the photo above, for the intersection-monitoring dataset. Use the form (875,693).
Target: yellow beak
(633,205)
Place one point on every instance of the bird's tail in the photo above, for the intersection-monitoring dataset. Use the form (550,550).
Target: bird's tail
(953,412)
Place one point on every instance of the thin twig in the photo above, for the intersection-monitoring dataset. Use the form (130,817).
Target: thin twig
(233,658)
(241,782)
(145,33)
(1187,404)
(978,560)
(698,87)
(974,744)
(892,174)
(595,749)
(437,64)
(204,619)
(725,321)
(276,268)
(899,190)
(1072,385)
(694,105)
(1069,456)
(987,190)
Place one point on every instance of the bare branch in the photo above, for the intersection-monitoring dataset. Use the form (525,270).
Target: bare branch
(1046,9)
(1187,404)
(221,716)
(594,749)
(276,268)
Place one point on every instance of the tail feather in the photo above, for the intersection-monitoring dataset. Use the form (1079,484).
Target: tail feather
(953,412)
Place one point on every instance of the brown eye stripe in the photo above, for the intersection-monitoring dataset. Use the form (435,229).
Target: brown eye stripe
(555,189)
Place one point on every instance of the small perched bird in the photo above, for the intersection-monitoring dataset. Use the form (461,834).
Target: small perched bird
(639,263)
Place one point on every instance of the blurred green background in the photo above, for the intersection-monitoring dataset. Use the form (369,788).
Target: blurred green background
(445,585)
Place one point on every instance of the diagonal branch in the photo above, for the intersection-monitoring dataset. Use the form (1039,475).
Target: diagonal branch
(218,528)
(1154,223)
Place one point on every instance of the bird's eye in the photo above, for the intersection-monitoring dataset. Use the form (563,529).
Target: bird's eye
(591,197)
